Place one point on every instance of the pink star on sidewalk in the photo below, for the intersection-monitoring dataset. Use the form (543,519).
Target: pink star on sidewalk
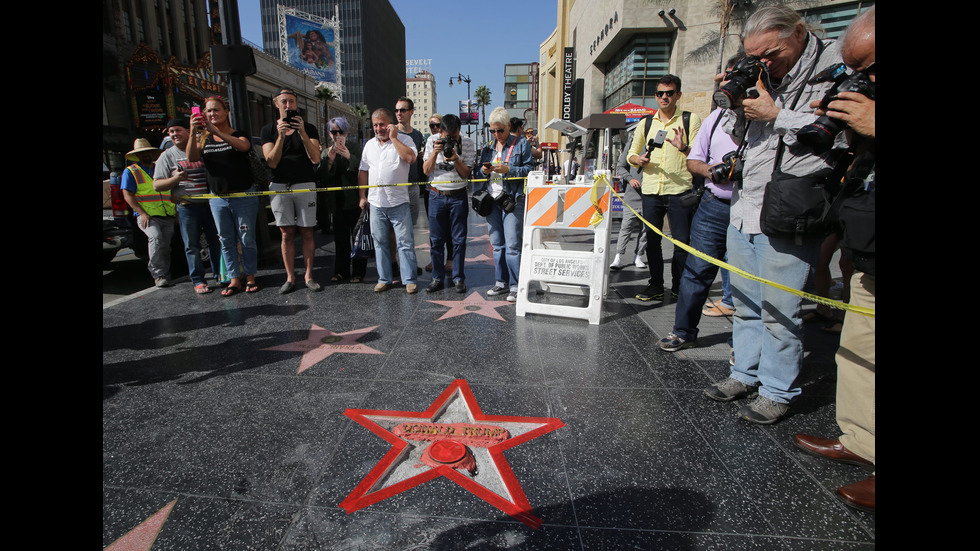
(323,343)
(473,304)
(400,469)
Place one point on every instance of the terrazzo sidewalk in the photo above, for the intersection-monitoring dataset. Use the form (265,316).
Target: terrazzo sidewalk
(224,426)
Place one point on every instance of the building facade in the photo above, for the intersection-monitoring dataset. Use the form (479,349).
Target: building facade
(375,84)
(421,89)
(521,92)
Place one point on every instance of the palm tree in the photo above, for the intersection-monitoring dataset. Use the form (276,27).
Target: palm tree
(326,94)
(482,96)
(361,112)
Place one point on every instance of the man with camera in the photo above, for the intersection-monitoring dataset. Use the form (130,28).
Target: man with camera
(448,158)
(783,56)
(856,355)
(292,149)
(660,148)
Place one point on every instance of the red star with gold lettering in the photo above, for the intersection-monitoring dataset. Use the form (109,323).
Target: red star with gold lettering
(401,469)
(322,343)
(473,304)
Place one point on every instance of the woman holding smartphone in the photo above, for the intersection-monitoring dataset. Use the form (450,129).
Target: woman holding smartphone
(225,154)
(504,162)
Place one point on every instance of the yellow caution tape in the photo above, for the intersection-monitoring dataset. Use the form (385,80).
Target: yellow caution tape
(337,188)
(597,217)
(864,311)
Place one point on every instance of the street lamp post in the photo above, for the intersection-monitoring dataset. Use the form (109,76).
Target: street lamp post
(466,79)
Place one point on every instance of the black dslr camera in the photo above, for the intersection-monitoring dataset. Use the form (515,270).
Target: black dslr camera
(448,153)
(819,135)
(744,75)
(730,169)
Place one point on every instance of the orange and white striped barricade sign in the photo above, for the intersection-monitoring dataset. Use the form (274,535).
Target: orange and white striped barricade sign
(565,247)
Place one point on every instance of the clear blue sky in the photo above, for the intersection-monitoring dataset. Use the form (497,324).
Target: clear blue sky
(464,36)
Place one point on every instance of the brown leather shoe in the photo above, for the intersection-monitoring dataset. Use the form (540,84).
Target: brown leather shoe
(830,449)
(860,495)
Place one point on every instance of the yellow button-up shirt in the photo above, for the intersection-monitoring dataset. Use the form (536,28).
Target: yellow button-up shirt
(666,173)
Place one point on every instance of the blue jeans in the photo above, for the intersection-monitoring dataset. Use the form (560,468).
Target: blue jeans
(506,238)
(709,230)
(448,215)
(768,326)
(235,220)
(399,219)
(195,219)
(655,207)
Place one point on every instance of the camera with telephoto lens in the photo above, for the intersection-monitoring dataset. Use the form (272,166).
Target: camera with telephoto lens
(729,170)
(744,75)
(819,135)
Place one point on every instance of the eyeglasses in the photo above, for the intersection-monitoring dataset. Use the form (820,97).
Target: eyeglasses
(498,131)
(335,132)
(402,110)
(668,93)
(435,126)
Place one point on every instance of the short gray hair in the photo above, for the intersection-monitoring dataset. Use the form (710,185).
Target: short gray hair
(499,116)
(780,18)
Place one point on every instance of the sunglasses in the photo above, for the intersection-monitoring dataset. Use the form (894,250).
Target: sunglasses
(434,126)
(498,131)
(668,93)
(336,132)
(402,110)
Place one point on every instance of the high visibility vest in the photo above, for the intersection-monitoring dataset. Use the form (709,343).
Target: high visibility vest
(155,203)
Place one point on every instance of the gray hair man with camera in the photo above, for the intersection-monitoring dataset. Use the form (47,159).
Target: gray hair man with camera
(771,92)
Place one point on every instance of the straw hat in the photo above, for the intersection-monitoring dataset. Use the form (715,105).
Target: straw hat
(142,145)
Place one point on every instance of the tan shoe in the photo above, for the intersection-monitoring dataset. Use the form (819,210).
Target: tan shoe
(716,310)
(411,288)
(382,287)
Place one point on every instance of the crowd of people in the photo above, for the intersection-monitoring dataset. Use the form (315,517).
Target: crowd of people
(733,184)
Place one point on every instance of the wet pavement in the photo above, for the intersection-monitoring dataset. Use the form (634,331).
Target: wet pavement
(224,426)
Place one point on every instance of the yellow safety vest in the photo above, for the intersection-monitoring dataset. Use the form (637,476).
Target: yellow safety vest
(155,203)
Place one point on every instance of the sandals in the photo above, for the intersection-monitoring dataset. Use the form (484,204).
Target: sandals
(337,278)
(229,291)
(202,289)
(251,287)
(356,279)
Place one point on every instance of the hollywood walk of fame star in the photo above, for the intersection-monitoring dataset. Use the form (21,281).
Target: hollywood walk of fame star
(322,343)
(401,469)
(480,258)
(473,304)
(142,537)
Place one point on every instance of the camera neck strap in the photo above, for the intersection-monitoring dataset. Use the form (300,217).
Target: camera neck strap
(813,66)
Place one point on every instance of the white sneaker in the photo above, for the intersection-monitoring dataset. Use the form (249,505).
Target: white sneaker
(617,263)
(638,262)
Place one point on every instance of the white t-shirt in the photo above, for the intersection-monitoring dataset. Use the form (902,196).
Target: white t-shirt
(384,166)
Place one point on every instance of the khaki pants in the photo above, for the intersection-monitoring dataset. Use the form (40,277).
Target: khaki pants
(856,372)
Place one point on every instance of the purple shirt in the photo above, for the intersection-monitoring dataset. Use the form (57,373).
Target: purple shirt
(721,144)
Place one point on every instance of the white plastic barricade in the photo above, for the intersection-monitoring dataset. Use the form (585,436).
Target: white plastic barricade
(562,253)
